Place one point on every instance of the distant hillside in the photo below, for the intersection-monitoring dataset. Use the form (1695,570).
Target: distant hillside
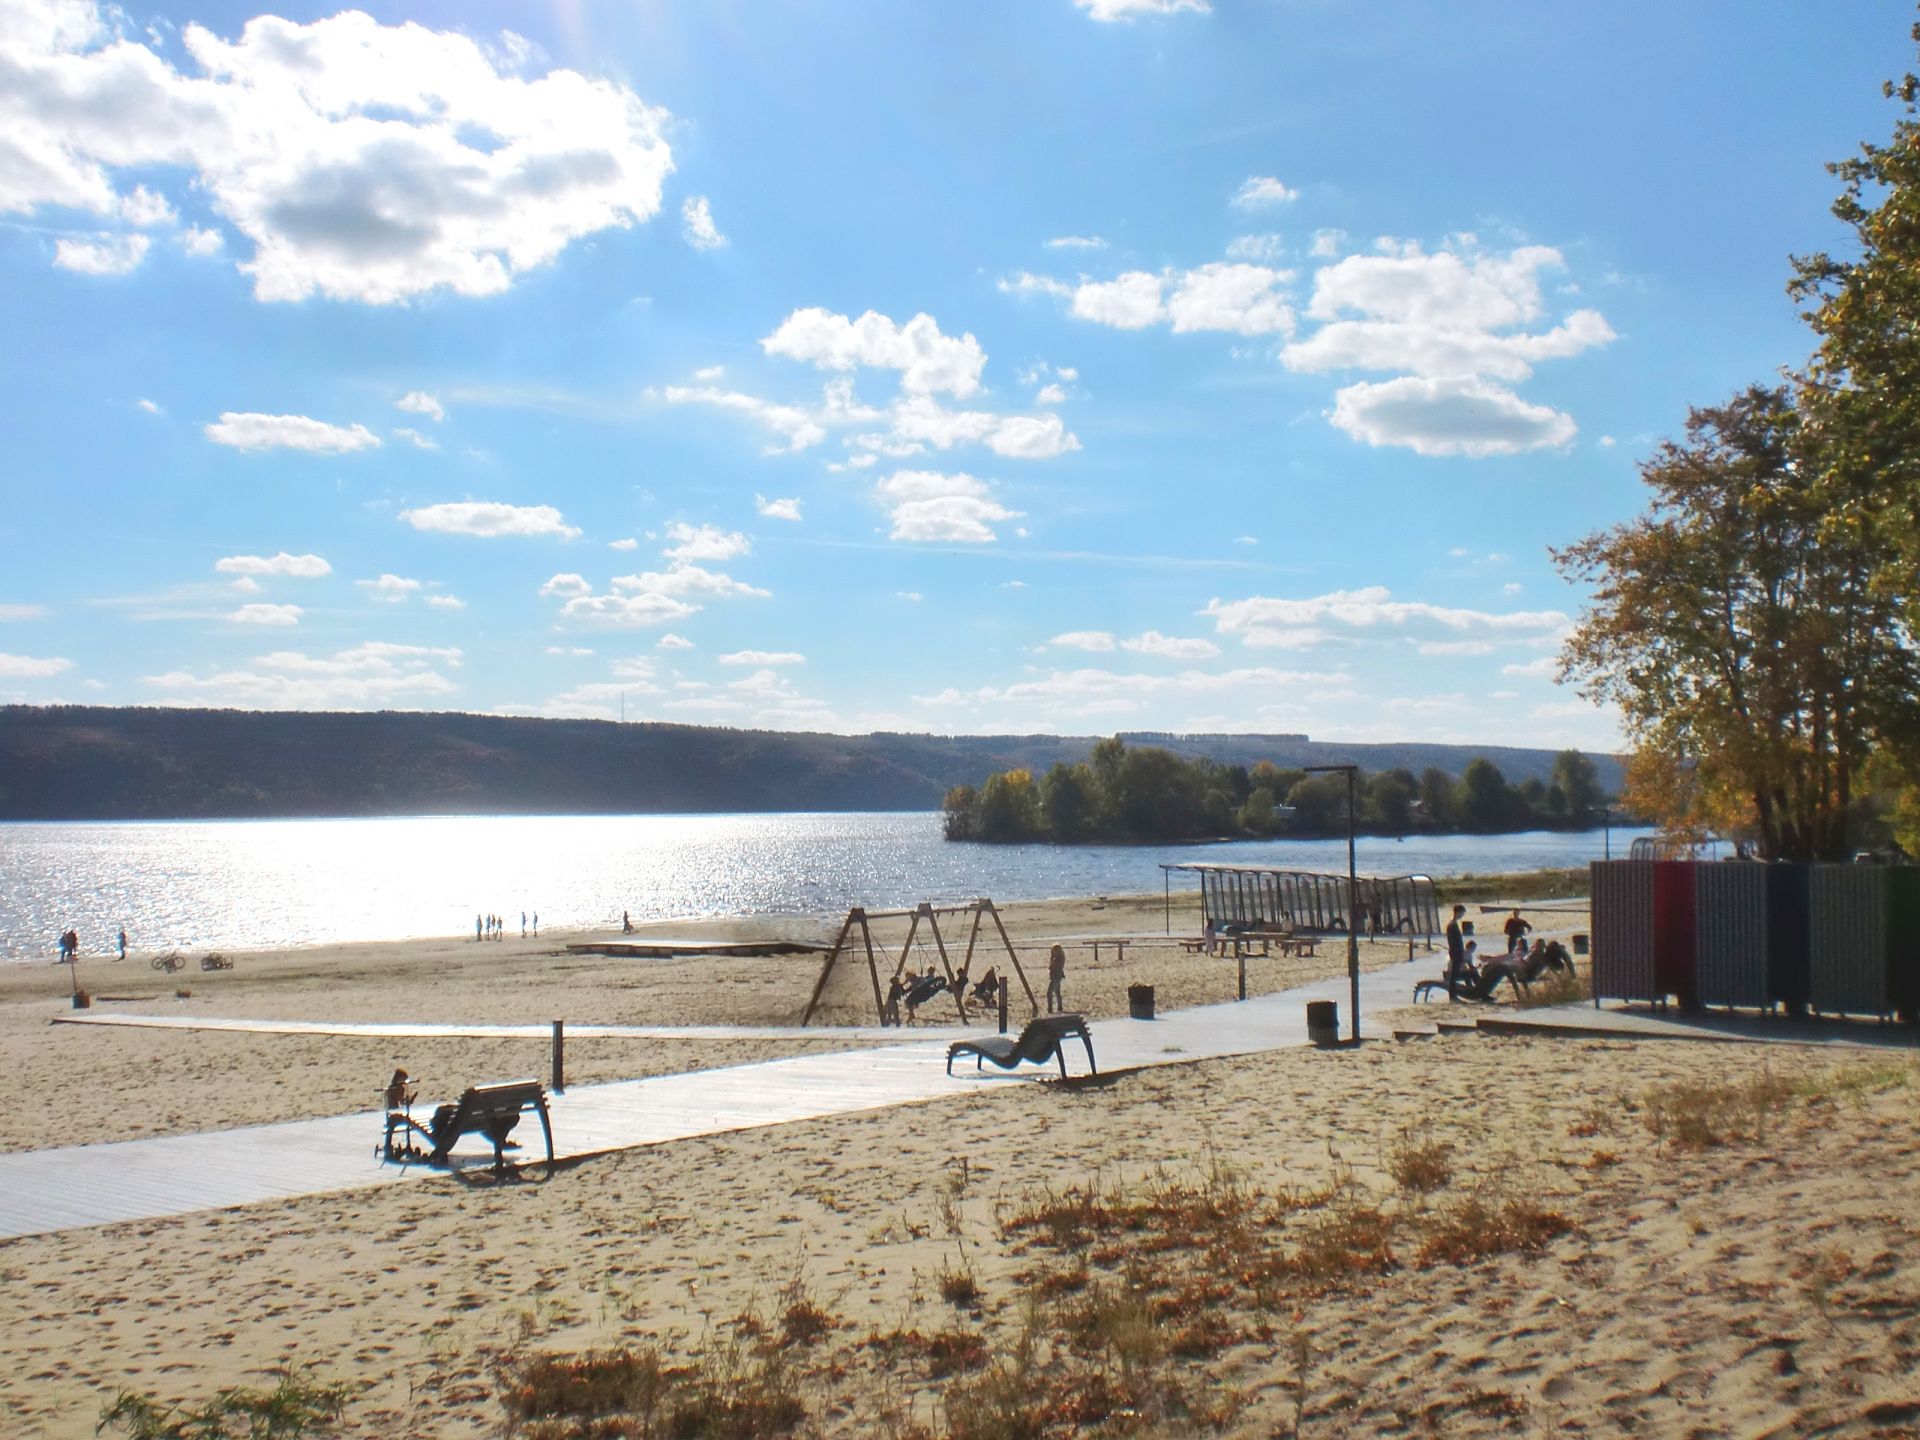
(86,763)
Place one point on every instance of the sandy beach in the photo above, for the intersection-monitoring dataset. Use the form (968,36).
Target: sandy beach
(1457,1236)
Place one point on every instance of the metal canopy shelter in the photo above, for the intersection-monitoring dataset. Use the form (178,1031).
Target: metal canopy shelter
(1244,895)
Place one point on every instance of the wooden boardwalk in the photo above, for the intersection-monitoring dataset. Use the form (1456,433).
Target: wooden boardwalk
(49,1190)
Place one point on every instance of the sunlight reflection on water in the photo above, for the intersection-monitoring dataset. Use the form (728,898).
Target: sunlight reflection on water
(267,883)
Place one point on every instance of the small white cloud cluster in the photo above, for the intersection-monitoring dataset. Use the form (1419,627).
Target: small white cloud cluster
(1270,622)
(928,361)
(696,224)
(302,567)
(247,430)
(363,161)
(375,675)
(1455,329)
(1229,296)
(926,505)
(660,597)
(1150,642)
(1110,11)
(489,519)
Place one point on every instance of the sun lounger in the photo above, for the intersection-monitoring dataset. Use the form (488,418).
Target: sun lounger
(1040,1042)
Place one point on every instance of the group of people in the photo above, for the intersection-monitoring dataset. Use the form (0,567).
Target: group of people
(1469,977)
(493,927)
(908,991)
(69,946)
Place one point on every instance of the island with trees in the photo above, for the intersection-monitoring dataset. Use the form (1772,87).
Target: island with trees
(1132,794)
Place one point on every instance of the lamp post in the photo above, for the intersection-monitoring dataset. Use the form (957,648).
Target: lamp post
(1605,812)
(1353,894)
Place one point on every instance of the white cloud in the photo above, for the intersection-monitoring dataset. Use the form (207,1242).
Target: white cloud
(1226,296)
(704,542)
(22,612)
(673,642)
(1076,242)
(1238,298)
(571,651)
(250,431)
(304,567)
(696,224)
(1327,243)
(200,243)
(101,255)
(390,589)
(1512,587)
(28,667)
(146,208)
(1112,10)
(1545,668)
(267,615)
(416,439)
(1455,647)
(1258,248)
(1129,302)
(1096,640)
(763,657)
(1262,192)
(247,585)
(419,402)
(566,584)
(363,162)
(1169,647)
(1607,442)
(150,407)
(369,676)
(926,505)
(707,374)
(488,519)
(788,509)
(799,425)
(682,579)
(446,602)
(928,361)
(627,611)
(1050,395)
(1267,622)
(919,421)
(1475,418)
(911,596)
(626,543)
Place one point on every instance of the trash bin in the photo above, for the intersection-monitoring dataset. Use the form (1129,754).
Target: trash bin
(1140,1001)
(1579,944)
(1466,927)
(1323,1022)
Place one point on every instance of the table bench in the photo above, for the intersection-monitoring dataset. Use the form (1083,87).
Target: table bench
(490,1110)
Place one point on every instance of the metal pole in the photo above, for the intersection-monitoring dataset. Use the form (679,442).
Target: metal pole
(1606,819)
(559,1056)
(1353,891)
(1353,910)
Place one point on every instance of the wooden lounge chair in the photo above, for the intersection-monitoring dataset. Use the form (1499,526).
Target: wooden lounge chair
(489,1110)
(1040,1042)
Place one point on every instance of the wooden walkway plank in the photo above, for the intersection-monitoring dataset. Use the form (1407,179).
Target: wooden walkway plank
(57,1189)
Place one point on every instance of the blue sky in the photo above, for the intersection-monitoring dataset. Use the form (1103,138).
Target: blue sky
(1050,365)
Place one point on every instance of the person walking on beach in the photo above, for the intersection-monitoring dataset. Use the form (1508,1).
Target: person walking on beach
(1056,979)
(1456,951)
(626,923)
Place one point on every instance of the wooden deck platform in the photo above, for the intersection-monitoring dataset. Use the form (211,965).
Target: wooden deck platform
(665,947)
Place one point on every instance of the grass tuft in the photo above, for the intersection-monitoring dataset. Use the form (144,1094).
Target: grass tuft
(296,1408)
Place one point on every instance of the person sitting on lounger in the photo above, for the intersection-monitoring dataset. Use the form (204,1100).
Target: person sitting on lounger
(400,1092)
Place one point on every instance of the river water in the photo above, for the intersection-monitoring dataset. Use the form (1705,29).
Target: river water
(260,884)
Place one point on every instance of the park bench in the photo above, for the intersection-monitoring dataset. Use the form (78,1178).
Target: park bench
(489,1110)
(1040,1042)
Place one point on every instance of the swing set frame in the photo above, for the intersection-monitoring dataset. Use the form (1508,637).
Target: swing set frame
(856,935)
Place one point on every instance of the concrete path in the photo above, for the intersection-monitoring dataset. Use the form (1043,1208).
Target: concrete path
(50,1190)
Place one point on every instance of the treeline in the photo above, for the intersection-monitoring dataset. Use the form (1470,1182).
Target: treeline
(1144,793)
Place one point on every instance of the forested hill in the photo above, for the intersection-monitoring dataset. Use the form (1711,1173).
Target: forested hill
(78,762)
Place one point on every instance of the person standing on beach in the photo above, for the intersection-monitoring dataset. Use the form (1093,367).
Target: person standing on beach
(1516,931)
(536,924)
(523,924)
(123,942)
(1456,950)
(1056,979)
(476,927)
